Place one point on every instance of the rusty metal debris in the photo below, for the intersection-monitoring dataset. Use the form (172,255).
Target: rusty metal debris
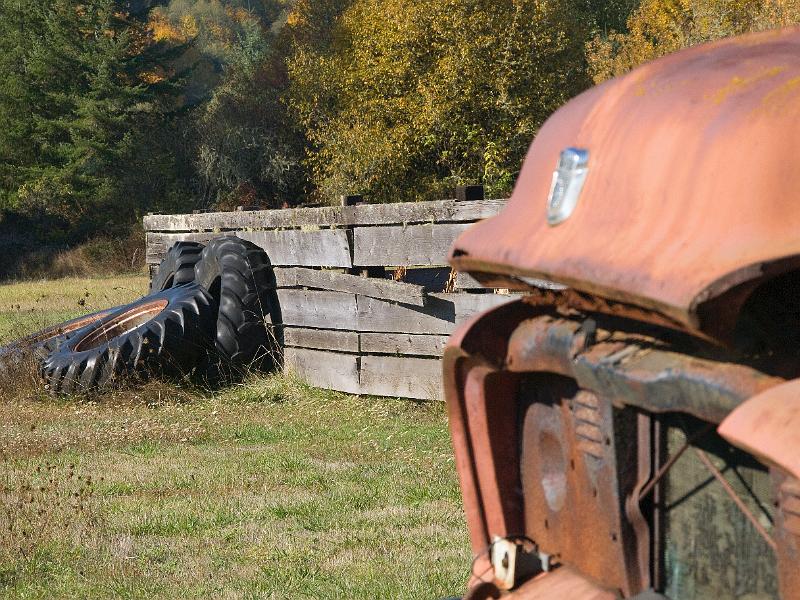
(575,472)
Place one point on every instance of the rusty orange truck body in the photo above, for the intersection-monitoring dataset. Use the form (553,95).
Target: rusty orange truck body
(634,430)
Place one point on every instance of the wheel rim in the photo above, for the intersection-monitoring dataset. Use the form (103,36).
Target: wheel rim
(121,324)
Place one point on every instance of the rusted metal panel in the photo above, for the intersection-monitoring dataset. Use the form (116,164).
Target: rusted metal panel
(575,471)
(582,499)
(674,210)
(768,426)
(494,436)
(633,370)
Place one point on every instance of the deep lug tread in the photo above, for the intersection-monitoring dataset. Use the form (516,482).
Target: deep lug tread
(171,342)
(245,297)
(177,268)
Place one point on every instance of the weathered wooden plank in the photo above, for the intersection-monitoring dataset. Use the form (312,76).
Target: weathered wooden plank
(465,281)
(323,247)
(339,310)
(441,211)
(436,316)
(323,310)
(440,315)
(157,244)
(465,305)
(320,248)
(291,217)
(321,339)
(285,277)
(373,214)
(330,370)
(366,286)
(406,344)
(402,377)
(398,245)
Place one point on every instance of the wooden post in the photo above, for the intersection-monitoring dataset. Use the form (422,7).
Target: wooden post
(352,200)
(465,193)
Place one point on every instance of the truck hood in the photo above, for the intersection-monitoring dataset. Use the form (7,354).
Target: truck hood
(693,183)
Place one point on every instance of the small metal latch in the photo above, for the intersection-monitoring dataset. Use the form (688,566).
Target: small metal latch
(512,563)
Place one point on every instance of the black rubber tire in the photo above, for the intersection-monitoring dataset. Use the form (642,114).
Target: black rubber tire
(38,345)
(177,267)
(239,276)
(167,333)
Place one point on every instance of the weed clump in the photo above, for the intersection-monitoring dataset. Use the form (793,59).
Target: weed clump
(51,506)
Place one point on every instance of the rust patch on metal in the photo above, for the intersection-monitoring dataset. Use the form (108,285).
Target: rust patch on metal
(573,507)
(121,323)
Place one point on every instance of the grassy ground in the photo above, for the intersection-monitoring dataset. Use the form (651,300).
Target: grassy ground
(31,305)
(269,489)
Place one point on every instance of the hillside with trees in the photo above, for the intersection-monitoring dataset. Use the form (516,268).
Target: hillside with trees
(110,108)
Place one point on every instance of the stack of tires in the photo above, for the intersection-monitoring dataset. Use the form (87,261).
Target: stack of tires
(212,312)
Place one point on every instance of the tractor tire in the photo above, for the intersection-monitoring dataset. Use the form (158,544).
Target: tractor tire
(166,332)
(38,345)
(177,267)
(239,276)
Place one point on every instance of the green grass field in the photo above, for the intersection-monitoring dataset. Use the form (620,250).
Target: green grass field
(267,489)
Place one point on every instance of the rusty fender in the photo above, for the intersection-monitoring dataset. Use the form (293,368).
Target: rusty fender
(768,426)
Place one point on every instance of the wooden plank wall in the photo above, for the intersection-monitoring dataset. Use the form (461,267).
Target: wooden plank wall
(366,296)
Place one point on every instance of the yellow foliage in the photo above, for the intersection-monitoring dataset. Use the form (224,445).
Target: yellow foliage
(659,27)
(238,14)
(152,77)
(294,18)
(412,97)
(189,28)
(163,30)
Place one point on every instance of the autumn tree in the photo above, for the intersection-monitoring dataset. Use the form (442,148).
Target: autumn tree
(411,97)
(658,27)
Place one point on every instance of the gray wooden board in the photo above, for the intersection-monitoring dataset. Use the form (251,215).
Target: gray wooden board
(402,377)
(157,244)
(322,339)
(366,286)
(440,315)
(330,370)
(465,305)
(406,344)
(372,214)
(465,281)
(323,247)
(399,245)
(319,309)
(339,310)
(285,277)
(376,315)
(320,248)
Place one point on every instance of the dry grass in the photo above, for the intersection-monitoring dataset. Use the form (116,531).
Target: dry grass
(101,256)
(268,489)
